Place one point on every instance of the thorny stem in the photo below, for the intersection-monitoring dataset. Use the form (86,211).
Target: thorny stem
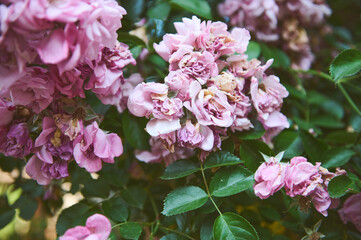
(207,189)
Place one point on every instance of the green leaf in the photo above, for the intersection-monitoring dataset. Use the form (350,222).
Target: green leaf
(180,168)
(230,226)
(160,11)
(27,206)
(339,186)
(341,137)
(184,199)
(136,51)
(116,209)
(199,7)
(130,230)
(337,157)
(6,216)
(253,50)
(134,132)
(249,151)
(255,133)
(270,213)
(229,181)
(228,145)
(135,196)
(130,40)
(96,188)
(313,147)
(71,217)
(347,63)
(206,230)
(280,57)
(290,142)
(221,158)
(327,121)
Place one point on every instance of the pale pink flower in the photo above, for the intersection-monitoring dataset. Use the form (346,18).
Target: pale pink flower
(267,97)
(179,82)
(95,146)
(151,99)
(321,199)
(200,66)
(301,177)
(97,227)
(159,153)
(269,178)
(127,89)
(210,106)
(35,90)
(70,83)
(351,211)
(195,135)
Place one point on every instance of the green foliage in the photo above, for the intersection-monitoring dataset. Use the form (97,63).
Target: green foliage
(347,63)
(253,50)
(232,226)
(221,158)
(180,168)
(255,133)
(134,132)
(199,7)
(336,157)
(184,199)
(71,217)
(130,230)
(339,186)
(281,60)
(229,181)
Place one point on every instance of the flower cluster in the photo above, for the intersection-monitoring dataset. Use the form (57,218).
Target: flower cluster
(97,227)
(211,87)
(299,178)
(51,52)
(280,21)
(74,42)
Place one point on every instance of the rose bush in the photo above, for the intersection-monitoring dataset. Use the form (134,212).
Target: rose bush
(183,119)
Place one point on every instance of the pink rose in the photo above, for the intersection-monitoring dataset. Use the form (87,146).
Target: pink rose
(70,83)
(151,99)
(127,89)
(44,172)
(269,178)
(52,143)
(95,146)
(17,142)
(97,227)
(210,106)
(179,82)
(192,136)
(301,177)
(35,90)
(200,66)
(351,211)
(321,199)
(6,112)
(267,96)
(159,153)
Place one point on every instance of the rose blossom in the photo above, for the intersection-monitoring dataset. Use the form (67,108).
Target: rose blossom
(200,66)
(97,227)
(151,98)
(195,135)
(159,153)
(35,90)
(301,177)
(210,106)
(269,178)
(6,112)
(17,142)
(44,172)
(95,146)
(179,82)
(351,211)
(53,143)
